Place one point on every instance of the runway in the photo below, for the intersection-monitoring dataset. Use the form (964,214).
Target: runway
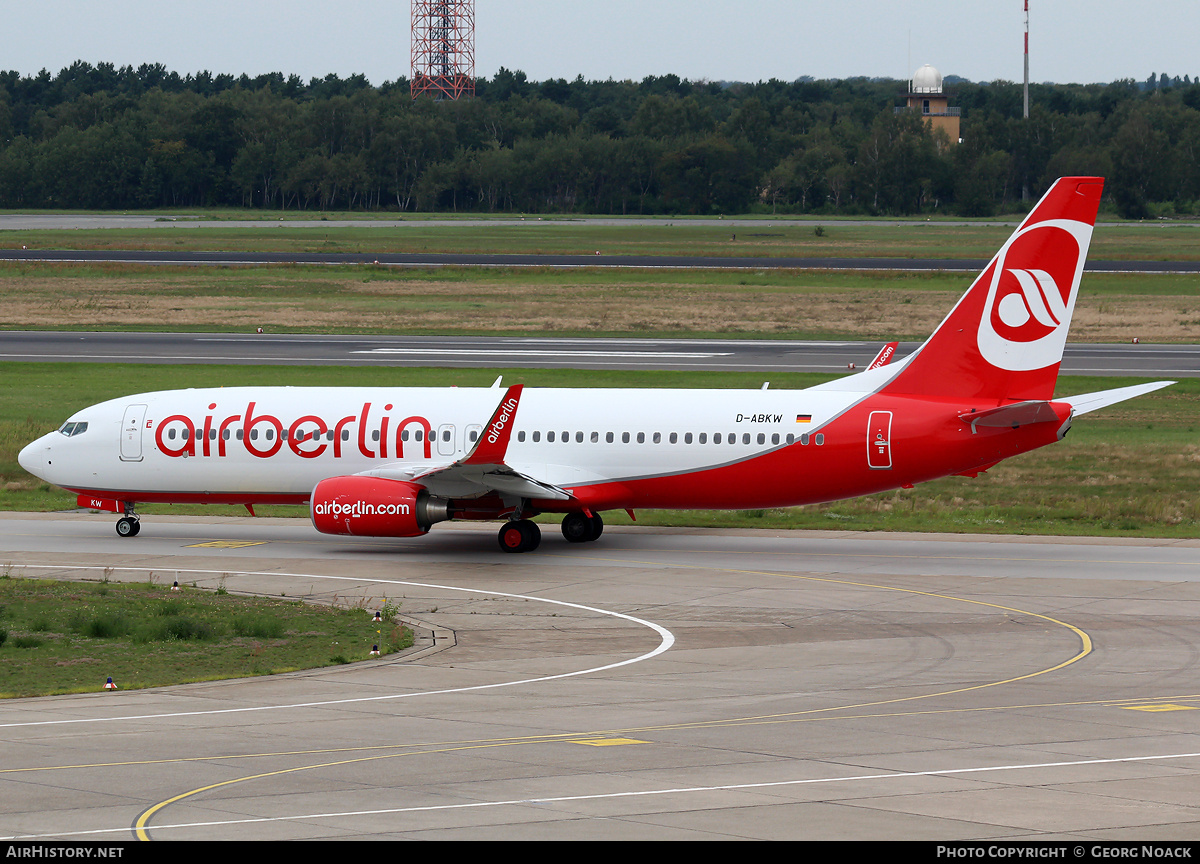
(745,355)
(658,684)
(436,259)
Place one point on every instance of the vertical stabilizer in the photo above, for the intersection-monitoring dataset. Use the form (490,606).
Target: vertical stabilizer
(1005,338)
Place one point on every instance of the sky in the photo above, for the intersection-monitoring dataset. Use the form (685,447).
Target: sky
(1079,41)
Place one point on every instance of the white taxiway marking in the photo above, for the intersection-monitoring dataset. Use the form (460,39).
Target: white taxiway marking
(666,637)
(682,790)
(530,352)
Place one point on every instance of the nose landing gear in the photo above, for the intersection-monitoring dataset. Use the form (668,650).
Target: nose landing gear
(128,525)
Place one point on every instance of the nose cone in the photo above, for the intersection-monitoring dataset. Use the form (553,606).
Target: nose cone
(34,457)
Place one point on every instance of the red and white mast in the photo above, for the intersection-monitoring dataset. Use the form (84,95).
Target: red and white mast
(1026,59)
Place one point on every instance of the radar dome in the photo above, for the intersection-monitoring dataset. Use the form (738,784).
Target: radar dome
(927,80)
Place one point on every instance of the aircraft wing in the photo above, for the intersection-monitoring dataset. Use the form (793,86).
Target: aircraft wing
(483,470)
(1101,399)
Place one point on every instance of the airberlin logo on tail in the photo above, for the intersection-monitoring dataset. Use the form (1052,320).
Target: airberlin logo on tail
(1039,299)
(1034,281)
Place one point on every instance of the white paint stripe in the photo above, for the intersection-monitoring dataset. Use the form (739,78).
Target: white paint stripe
(667,639)
(681,790)
(532,352)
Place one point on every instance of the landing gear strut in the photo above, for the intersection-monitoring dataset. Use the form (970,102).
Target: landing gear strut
(129,524)
(519,535)
(578,528)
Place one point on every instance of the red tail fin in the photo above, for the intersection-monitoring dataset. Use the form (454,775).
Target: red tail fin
(1005,338)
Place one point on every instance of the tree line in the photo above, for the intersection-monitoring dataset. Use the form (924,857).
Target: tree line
(102,137)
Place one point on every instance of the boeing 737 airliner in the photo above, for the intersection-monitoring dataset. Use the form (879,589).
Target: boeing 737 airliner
(392,462)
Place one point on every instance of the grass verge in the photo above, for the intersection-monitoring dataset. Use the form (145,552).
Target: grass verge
(68,637)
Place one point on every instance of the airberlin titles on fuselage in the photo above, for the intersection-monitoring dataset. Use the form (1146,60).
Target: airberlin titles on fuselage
(308,436)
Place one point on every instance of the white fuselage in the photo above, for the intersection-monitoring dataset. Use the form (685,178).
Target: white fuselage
(263,443)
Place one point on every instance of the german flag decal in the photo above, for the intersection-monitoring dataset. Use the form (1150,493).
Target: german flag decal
(803,418)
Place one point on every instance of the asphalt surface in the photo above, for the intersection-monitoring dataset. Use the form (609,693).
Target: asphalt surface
(658,684)
(508,352)
(422,259)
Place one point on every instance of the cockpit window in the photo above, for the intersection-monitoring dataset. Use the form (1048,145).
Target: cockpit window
(73,429)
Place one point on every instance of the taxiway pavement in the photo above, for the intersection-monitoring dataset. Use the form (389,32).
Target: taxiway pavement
(656,684)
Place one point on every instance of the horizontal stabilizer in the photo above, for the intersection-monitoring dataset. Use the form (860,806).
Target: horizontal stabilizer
(1011,416)
(1102,399)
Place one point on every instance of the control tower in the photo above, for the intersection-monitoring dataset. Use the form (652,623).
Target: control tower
(925,96)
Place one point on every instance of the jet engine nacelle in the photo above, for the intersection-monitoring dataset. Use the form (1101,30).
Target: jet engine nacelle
(374,507)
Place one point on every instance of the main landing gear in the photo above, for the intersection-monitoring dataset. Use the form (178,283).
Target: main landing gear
(128,525)
(519,535)
(579,528)
(522,535)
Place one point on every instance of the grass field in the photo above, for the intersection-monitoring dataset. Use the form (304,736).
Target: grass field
(518,301)
(1129,470)
(68,637)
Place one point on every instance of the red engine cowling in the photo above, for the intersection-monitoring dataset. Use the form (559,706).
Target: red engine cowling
(374,507)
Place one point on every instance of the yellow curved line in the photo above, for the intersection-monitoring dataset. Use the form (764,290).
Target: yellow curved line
(141,827)
(559,737)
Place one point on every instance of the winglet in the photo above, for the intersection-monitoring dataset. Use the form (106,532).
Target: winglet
(884,356)
(492,445)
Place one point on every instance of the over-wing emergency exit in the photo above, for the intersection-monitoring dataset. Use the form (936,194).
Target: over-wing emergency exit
(391,462)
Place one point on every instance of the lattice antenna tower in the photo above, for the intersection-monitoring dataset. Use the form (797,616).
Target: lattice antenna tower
(443,48)
(1026,59)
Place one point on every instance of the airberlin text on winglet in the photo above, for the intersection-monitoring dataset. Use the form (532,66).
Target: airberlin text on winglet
(309,429)
(506,412)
